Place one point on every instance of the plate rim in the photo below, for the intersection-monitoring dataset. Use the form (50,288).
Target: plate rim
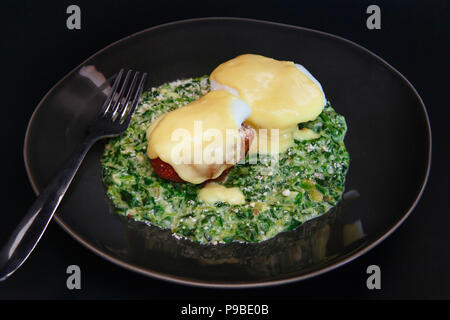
(220,284)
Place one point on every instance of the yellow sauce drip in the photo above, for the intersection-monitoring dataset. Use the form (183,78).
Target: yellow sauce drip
(213,193)
(315,194)
(267,143)
(186,129)
(305,134)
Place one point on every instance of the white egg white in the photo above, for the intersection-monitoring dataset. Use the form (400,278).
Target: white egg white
(240,110)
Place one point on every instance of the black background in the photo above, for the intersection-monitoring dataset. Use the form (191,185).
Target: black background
(38,50)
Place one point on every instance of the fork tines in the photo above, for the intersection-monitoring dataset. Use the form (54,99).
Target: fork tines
(124,96)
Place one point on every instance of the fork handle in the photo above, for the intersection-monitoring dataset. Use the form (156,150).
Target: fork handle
(30,229)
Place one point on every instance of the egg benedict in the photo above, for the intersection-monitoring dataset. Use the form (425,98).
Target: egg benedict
(281,94)
(200,141)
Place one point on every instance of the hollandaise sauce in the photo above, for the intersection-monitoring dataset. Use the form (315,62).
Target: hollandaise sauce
(281,94)
(254,203)
(211,112)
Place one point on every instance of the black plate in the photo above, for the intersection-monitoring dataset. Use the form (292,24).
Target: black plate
(389,141)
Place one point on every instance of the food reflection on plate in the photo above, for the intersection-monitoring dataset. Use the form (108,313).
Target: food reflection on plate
(312,242)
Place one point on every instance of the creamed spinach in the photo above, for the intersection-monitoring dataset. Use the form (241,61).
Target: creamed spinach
(308,180)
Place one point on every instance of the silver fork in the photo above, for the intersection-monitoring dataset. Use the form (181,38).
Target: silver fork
(112,120)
